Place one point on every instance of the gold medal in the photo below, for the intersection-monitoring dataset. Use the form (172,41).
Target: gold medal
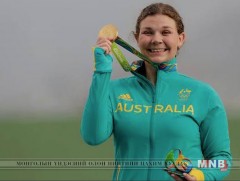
(108,31)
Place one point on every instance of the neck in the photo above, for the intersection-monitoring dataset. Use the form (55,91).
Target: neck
(151,72)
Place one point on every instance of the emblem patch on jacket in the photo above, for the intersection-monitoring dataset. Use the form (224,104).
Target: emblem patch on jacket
(184,94)
(125,97)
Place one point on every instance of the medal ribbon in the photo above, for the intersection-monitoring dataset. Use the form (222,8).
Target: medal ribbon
(131,49)
(120,57)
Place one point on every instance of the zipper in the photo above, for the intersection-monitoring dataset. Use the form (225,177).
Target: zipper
(145,80)
(154,90)
(118,171)
(151,133)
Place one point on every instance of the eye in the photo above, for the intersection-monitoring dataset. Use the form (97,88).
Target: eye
(166,32)
(147,32)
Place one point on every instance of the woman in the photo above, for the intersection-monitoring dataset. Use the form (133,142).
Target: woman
(157,109)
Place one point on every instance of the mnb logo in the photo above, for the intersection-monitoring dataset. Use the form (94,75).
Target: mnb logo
(222,164)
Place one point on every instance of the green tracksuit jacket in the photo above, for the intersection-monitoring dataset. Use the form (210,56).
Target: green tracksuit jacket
(148,121)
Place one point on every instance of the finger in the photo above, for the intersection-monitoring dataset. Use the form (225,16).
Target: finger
(104,44)
(180,168)
(110,39)
(106,48)
(184,167)
(189,177)
(101,39)
(105,41)
(177,178)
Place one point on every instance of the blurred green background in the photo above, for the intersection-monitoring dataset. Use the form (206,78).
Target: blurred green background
(58,137)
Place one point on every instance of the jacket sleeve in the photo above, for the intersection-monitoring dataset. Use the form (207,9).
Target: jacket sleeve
(96,123)
(215,138)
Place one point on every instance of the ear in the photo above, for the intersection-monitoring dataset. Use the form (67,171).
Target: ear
(181,39)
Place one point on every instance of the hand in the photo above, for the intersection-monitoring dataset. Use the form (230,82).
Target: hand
(105,44)
(103,59)
(187,177)
(182,168)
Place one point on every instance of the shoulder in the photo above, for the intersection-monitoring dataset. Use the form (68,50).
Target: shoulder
(196,83)
(203,90)
(123,81)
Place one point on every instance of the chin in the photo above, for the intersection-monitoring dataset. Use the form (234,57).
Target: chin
(159,61)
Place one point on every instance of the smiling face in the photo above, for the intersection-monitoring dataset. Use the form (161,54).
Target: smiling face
(158,38)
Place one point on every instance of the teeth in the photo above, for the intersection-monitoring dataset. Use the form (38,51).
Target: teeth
(158,50)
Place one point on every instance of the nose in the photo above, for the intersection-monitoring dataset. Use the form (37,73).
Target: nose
(157,38)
